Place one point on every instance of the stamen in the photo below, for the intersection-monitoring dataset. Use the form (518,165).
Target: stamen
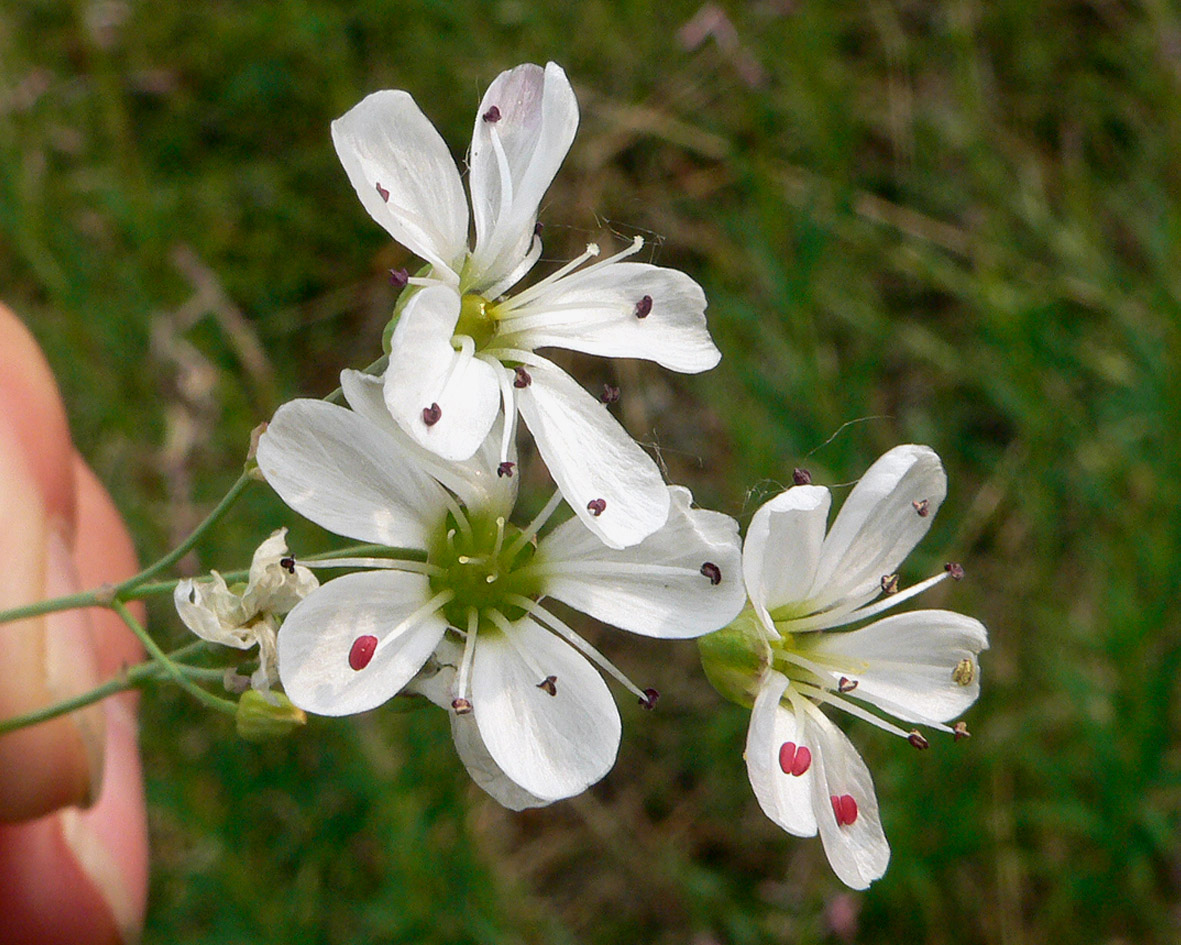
(644,307)
(431,414)
(964,672)
(955,569)
(523,379)
(960,731)
(549,684)
(288,564)
(505,469)
(801,477)
(922,507)
(845,809)
(492,115)
(827,621)
(846,685)
(533,527)
(393,564)
(610,394)
(499,543)
(794,761)
(361,652)
(917,740)
(465,664)
(713,572)
(509,400)
(385,194)
(649,698)
(399,278)
(556,626)
(823,695)
(523,297)
(890,583)
(456,510)
(596,507)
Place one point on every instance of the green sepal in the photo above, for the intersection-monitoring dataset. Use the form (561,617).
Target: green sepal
(266,715)
(736,657)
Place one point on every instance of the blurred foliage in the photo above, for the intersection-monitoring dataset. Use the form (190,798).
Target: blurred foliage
(953,223)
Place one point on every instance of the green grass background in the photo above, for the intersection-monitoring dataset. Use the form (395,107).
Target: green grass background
(954,223)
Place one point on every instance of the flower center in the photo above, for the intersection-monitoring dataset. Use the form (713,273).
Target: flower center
(476,320)
(484,567)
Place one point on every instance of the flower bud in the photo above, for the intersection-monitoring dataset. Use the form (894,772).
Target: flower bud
(266,715)
(735,658)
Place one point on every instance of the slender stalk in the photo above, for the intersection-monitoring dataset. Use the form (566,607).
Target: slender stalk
(178,676)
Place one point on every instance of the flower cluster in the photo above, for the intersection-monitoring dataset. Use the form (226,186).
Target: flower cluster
(450,597)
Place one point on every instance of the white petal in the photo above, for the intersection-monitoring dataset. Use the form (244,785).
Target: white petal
(785,798)
(907,664)
(657,587)
(271,587)
(212,612)
(427,373)
(342,472)
(474,480)
(386,141)
(782,548)
(591,457)
(594,310)
(879,524)
(857,852)
(513,161)
(486,772)
(318,635)
(552,746)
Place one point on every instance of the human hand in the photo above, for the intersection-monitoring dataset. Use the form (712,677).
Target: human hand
(69,872)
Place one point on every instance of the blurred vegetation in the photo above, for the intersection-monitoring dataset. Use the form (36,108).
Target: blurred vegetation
(952,223)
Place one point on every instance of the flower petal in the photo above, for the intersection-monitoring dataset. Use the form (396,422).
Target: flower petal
(516,151)
(318,636)
(782,548)
(405,176)
(474,480)
(657,588)
(919,666)
(486,772)
(212,611)
(884,517)
(445,400)
(592,458)
(553,746)
(596,310)
(858,852)
(784,797)
(342,472)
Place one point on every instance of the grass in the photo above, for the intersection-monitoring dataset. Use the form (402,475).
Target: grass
(951,223)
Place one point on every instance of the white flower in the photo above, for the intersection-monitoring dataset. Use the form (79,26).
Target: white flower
(460,350)
(249,616)
(919,667)
(466,590)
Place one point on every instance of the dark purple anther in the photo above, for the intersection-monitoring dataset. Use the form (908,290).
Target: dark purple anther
(399,278)
(923,507)
(505,469)
(889,583)
(610,394)
(801,477)
(955,570)
(549,684)
(461,706)
(644,307)
(960,731)
(846,684)
(649,699)
(713,572)
(492,115)
(385,194)
(288,564)
(596,507)
(916,739)
(538,227)
(431,414)
(523,378)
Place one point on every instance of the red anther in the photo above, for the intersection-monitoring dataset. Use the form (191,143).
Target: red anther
(923,507)
(713,572)
(288,564)
(844,808)
(644,307)
(399,278)
(794,761)
(361,652)
(650,698)
(549,684)
(523,378)
(917,740)
(845,684)
(505,469)
(801,477)
(955,570)
(385,194)
(787,756)
(431,414)
(461,706)
(610,394)
(492,115)
(596,507)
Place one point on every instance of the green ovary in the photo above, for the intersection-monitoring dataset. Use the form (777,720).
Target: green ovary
(477,320)
(478,569)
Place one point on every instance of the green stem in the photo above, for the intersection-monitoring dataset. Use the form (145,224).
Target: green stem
(201,695)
